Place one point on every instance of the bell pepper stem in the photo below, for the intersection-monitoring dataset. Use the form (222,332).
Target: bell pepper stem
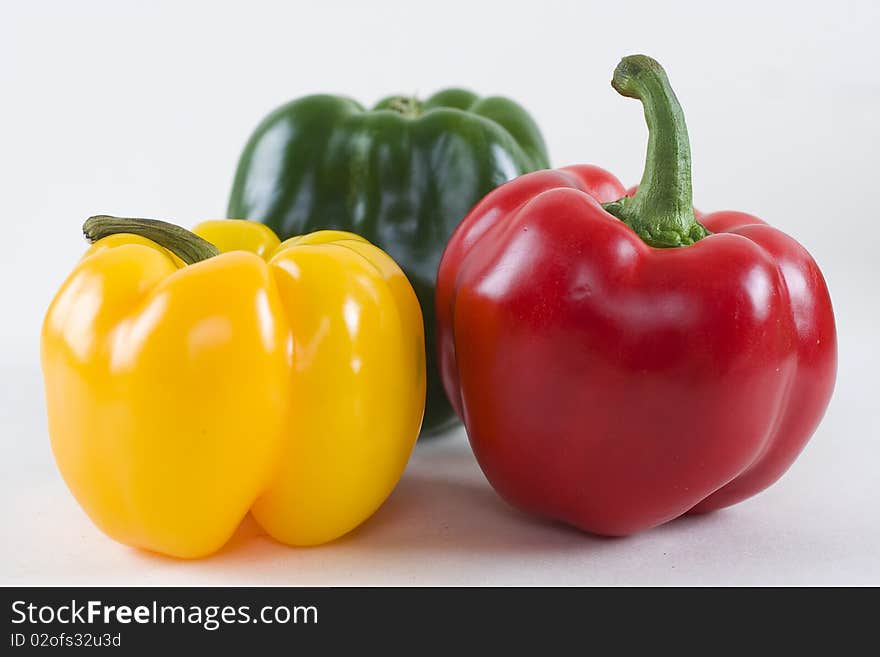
(407,106)
(186,245)
(661,211)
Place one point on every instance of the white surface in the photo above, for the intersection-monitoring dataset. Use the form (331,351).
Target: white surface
(141,109)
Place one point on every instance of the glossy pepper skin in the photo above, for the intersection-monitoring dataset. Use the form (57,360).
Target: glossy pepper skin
(283,379)
(616,385)
(402,175)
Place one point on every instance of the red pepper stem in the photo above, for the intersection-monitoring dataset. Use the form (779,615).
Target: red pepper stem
(661,211)
(186,245)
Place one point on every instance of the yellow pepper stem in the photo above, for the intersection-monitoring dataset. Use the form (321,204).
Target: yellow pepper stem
(186,245)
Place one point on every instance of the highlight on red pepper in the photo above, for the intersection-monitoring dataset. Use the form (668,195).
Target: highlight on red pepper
(620,361)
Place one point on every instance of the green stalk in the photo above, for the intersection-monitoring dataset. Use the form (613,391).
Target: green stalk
(186,245)
(662,210)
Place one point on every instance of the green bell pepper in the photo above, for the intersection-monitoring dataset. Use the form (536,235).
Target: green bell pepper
(402,175)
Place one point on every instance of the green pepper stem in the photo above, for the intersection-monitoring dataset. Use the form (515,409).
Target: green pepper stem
(661,211)
(407,106)
(186,245)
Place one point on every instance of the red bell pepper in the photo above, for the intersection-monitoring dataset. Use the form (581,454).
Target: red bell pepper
(621,360)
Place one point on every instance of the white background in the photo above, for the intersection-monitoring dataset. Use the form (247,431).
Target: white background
(140,109)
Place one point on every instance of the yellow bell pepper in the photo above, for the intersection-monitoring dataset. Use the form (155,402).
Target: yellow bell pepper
(188,384)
